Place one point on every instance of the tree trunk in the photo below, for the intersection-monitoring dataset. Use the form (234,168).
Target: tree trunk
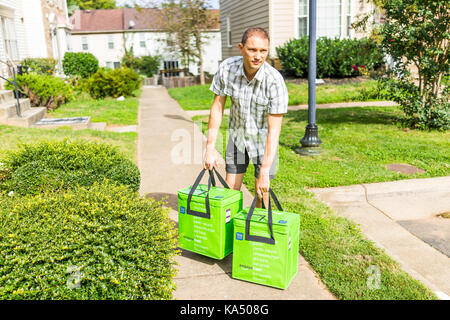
(198,41)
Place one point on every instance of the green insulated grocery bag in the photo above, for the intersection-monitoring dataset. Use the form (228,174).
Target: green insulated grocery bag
(265,248)
(205,214)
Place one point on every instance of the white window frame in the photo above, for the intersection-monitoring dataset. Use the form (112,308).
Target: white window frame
(228,25)
(10,38)
(305,16)
(348,18)
(110,41)
(84,43)
(142,41)
(302,17)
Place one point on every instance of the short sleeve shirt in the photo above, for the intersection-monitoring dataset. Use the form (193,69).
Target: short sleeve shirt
(251,101)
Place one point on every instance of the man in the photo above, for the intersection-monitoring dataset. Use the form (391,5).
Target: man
(259,98)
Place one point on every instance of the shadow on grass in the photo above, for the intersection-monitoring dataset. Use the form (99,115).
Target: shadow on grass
(358,115)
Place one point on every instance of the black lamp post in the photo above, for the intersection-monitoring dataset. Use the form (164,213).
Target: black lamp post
(311,142)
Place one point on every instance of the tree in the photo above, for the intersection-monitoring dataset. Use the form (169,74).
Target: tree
(92,4)
(415,34)
(184,20)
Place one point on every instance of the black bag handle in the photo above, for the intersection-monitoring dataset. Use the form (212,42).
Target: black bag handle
(211,181)
(248,236)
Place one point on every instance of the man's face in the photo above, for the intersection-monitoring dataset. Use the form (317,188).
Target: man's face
(254,52)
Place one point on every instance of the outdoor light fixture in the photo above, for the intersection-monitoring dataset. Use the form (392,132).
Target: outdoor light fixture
(311,142)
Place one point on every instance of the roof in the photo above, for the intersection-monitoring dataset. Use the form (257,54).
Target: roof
(107,20)
(97,20)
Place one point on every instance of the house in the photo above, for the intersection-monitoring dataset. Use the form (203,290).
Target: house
(107,33)
(285,20)
(33,29)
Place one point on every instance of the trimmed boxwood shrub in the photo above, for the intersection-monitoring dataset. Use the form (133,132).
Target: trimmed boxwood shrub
(60,165)
(43,90)
(113,83)
(336,58)
(81,64)
(99,242)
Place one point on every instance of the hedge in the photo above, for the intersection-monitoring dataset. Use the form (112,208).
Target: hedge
(43,90)
(336,58)
(113,83)
(60,165)
(98,242)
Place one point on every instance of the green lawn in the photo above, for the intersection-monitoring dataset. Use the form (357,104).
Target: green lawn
(12,136)
(107,110)
(357,144)
(200,97)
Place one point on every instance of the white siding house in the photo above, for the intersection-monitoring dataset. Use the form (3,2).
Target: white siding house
(286,19)
(106,34)
(32,29)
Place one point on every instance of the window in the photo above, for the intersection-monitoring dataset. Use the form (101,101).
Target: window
(142,42)
(303,18)
(116,65)
(110,42)
(329,18)
(84,43)
(171,68)
(349,18)
(10,40)
(229,43)
(109,64)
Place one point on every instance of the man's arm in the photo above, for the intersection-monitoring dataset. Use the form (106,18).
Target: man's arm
(215,119)
(274,122)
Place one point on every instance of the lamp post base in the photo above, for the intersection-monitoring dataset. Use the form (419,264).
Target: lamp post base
(308,151)
(310,142)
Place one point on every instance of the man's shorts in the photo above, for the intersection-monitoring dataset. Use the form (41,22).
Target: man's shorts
(237,162)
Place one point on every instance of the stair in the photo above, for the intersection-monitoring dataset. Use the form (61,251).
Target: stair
(8,111)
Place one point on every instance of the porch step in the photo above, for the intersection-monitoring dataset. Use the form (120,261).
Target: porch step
(8,108)
(29,117)
(6,95)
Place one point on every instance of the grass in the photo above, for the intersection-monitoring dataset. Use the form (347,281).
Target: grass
(107,110)
(12,136)
(200,97)
(357,144)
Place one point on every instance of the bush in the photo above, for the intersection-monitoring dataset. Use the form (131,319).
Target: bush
(149,65)
(101,242)
(42,90)
(113,83)
(60,165)
(336,58)
(81,64)
(418,38)
(43,66)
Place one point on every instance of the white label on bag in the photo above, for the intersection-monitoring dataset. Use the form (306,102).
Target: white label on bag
(228,216)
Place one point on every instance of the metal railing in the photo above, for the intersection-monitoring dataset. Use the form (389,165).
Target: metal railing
(12,69)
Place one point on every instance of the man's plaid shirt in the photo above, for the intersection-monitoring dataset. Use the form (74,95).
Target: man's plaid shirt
(250,102)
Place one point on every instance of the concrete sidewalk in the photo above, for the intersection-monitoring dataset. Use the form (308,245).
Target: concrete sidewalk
(169,158)
(403,218)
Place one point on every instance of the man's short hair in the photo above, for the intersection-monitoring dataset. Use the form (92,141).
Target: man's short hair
(252,31)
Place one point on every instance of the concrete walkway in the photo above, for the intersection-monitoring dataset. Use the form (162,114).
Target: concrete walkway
(169,158)
(399,216)
(403,218)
